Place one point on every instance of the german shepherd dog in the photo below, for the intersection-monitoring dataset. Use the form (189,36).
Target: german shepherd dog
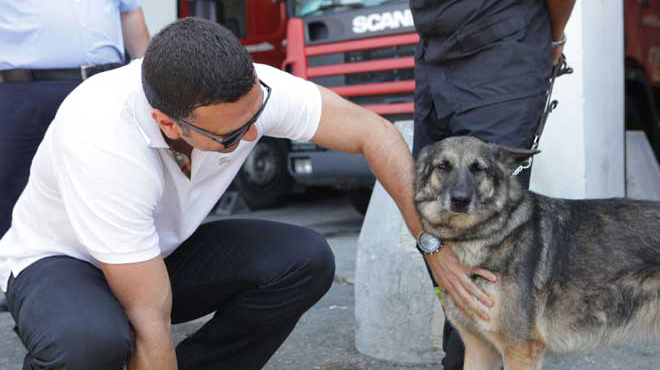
(572,274)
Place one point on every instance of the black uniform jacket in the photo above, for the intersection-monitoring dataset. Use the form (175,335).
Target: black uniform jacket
(479,52)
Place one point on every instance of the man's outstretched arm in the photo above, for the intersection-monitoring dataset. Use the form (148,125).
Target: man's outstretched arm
(143,289)
(348,128)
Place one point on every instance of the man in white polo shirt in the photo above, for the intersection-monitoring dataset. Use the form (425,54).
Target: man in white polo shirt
(106,249)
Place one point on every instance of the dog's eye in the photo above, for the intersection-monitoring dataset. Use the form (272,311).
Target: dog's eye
(476,167)
(444,165)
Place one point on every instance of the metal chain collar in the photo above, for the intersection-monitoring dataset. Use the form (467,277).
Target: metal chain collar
(560,69)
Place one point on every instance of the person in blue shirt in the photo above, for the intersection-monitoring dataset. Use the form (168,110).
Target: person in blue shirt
(48,48)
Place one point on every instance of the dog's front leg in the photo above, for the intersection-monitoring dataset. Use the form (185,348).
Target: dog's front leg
(479,354)
(527,356)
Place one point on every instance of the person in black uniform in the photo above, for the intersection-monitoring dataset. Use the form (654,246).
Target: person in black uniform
(481,69)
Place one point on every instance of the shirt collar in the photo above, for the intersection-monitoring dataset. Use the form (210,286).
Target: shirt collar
(148,127)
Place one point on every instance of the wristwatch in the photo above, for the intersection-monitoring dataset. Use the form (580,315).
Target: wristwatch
(427,243)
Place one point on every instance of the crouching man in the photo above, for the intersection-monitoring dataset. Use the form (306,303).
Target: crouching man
(107,248)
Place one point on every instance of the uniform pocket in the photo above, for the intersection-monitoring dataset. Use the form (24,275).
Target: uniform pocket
(423,102)
(482,35)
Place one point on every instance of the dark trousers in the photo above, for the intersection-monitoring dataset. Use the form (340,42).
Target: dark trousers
(26,110)
(511,123)
(258,277)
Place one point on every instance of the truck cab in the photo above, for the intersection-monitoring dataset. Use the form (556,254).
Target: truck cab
(363,50)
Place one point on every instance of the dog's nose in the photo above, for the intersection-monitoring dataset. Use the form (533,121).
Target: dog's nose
(460,200)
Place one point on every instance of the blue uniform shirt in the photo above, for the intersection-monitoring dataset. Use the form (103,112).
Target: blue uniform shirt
(42,34)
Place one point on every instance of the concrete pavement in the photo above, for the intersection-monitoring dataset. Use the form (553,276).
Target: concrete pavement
(324,337)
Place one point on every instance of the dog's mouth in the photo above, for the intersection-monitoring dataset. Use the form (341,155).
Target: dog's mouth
(459,211)
(459,205)
(432,208)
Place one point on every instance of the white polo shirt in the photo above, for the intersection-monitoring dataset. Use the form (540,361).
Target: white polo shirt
(104,186)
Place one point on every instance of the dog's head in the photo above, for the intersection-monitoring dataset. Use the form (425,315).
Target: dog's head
(462,181)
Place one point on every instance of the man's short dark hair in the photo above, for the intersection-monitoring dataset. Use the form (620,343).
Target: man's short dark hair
(192,63)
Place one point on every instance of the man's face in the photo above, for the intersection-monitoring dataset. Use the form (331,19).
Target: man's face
(219,119)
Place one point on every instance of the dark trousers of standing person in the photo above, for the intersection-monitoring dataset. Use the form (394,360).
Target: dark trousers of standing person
(26,110)
(511,123)
(257,277)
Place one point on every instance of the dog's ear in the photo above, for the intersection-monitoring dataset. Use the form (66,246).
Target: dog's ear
(511,158)
(423,168)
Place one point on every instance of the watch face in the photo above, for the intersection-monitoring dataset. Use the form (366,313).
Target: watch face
(428,243)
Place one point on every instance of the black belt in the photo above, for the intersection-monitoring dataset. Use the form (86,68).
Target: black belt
(61,74)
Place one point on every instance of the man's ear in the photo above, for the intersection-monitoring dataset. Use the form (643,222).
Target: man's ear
(511,158)
(169,127)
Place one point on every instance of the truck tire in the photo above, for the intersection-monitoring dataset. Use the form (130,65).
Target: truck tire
(264,179)
(360,199)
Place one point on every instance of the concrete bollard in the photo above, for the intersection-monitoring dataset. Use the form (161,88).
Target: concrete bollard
(399,318)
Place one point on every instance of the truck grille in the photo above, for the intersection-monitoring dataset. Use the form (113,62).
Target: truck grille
(398,51)
(390,52)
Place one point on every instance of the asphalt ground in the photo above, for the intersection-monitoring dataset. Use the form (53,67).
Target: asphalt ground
(324,337)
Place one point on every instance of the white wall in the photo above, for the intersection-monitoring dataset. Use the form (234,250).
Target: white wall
(158,14)
(583,144)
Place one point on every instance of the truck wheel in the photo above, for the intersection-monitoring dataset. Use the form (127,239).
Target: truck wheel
(264,179)
(360,199)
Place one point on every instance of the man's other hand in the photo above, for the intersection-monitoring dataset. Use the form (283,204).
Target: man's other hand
(556,54)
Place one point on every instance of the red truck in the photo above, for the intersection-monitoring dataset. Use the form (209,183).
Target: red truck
(363,50)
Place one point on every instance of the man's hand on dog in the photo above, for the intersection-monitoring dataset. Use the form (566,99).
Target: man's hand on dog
(454,277)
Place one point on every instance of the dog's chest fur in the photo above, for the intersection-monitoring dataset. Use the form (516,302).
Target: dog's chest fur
(473,253)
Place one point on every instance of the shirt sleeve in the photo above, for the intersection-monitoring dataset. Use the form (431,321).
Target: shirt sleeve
(128,5)
(294,108)
(110,198)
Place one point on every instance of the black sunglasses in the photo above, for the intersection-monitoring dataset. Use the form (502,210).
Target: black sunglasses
(231,138)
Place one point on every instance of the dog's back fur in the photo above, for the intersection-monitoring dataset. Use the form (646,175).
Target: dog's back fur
(597,272)
(572,274)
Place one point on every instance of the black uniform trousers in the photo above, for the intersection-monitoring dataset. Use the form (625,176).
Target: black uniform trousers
(257,277)
(26,110)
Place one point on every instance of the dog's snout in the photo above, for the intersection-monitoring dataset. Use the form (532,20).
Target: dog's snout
(460,199)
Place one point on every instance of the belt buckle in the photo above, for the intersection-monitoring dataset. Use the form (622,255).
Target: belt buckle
(83,72)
